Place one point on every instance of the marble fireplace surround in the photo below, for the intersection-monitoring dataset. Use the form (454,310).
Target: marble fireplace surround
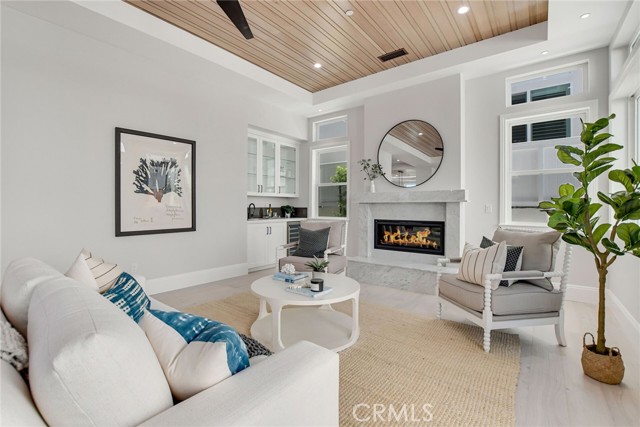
(402,270)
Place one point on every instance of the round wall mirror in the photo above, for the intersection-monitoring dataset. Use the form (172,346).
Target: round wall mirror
(410,153)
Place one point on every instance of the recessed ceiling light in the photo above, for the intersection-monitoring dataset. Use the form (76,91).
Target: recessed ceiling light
(349,12)
(585,15)
(544,52)
(419,133)
(463,9)
(317,65)
(319,110)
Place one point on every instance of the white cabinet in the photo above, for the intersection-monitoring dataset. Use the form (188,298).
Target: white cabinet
(262,240)
(272,166)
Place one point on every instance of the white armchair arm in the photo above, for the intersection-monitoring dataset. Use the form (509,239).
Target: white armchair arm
(442,262)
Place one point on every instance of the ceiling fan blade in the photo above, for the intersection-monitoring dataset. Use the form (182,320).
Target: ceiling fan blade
(234,11)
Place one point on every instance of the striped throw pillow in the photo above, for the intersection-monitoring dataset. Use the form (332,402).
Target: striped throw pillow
(94,272)
(477,263)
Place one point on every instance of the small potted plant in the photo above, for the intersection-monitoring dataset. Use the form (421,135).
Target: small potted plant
(319,267)
(575,215)
(372,170)
(287,210)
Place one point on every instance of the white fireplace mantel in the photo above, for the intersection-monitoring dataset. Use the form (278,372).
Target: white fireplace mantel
(435,205)
(409,271)
(437,196)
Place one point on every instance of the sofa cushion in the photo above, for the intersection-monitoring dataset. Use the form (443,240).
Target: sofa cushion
(312,242)
(477,263)
(195,353)
(337,263)
(89,363)
(520,298)
(335,234)
(513,261)
(539,250)
(21,277)
(128,296)
(94,272)
(16,406)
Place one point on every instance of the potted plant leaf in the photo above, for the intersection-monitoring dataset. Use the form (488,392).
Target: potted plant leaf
(318,266)
(575,215)
(372,170)
(287,210)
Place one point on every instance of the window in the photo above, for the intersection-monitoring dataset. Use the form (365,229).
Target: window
(636,154)
(546,85)
(531,170)
(330,129)
(330,181)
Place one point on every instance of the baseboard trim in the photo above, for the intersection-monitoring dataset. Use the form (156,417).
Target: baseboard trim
(185,280)
(589,295)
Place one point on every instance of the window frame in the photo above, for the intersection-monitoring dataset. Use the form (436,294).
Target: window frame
(589,108)
(315,151)
(582,65)
(330,120)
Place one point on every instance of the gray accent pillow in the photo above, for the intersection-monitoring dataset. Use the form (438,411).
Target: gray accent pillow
(514,258)
(539,251)
(335,235)
(312,242)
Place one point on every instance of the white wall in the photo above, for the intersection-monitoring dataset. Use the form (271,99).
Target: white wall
(63,94)
(438,103)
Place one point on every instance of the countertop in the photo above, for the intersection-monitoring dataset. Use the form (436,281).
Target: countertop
(281,219)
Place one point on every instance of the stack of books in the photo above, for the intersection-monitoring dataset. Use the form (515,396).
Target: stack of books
(308,292)
(291,278)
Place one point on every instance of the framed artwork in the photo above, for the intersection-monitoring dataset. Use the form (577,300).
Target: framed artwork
(155,183)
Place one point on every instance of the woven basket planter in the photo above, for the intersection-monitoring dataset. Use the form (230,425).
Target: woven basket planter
(606,368)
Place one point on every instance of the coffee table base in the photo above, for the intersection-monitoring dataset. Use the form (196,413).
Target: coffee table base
(320,325)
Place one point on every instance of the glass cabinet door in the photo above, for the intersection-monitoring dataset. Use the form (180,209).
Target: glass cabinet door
(268,167)
(287,170)
(252,165)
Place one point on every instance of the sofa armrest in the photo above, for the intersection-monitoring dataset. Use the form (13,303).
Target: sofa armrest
(295,387)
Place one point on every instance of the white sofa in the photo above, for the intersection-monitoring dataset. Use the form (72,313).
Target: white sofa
(90,364)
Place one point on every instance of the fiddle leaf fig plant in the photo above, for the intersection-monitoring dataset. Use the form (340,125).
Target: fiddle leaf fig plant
(575,214)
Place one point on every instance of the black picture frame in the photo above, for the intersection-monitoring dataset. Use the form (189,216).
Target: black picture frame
(155,180)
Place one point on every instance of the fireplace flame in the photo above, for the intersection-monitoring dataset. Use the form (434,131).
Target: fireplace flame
(420,238)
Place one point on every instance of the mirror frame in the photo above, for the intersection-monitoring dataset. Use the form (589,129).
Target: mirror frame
(389,131)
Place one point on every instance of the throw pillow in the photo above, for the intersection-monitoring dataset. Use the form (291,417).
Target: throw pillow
(195,353)
(477,263)
(254,347)
(13,346)
(312,242)
(94,272)
(128,296)
(514,258)
(539,251)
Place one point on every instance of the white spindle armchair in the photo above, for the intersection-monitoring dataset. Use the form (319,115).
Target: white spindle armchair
(521,304)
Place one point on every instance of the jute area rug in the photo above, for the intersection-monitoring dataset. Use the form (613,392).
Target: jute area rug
(408,370)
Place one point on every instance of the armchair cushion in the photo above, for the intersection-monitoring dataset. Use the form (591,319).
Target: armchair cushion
(520,298)
(539,251)
(312,242)
(514,258)
(477,263)
(337,263)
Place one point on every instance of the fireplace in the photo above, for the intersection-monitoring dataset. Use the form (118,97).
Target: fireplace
(424,237)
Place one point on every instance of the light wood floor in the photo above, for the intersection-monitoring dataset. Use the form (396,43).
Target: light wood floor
(552,390)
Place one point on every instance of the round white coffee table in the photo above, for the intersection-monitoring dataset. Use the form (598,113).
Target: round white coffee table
(313,319)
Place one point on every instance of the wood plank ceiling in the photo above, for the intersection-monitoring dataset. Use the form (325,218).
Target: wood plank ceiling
(290,36)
